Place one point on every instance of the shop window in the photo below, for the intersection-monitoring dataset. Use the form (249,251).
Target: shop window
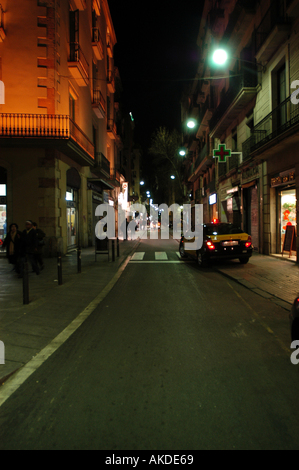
(287,211)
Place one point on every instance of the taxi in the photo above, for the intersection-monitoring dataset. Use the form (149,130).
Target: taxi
(220,241)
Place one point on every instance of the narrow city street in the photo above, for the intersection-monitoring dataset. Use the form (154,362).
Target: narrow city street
(174,358)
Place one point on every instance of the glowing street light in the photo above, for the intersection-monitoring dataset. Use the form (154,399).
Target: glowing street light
(220,57)
(191,123)
(182,152)
(172,177)
(142,183)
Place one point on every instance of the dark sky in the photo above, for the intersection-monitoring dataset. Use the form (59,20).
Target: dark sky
(156,53)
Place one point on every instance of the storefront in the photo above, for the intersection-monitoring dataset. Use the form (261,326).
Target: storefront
(230,204)
(72,207)
(286,202)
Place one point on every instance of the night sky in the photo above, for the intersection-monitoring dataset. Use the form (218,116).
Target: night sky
(156,53)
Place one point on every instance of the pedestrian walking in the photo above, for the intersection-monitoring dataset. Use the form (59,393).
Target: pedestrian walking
(40,244)
(12,243)
(29,246)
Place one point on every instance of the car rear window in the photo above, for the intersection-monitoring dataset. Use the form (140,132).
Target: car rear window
(222,229)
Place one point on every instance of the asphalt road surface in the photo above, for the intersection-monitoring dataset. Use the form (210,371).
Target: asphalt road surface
(174,358)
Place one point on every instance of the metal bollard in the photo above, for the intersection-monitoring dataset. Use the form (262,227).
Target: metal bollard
(117,244)
(25,284)
(79,251)
(59,266)
(113,250)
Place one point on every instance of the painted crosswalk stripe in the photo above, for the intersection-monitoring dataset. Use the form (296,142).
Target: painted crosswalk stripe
(138,256)
(160,256)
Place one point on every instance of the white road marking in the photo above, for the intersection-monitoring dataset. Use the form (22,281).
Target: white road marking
(12,384)
(161,255)
(138,256)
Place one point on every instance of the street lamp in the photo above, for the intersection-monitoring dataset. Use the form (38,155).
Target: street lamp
(220,57)
(141,183)
(191,123)
(172,177)
(183,152)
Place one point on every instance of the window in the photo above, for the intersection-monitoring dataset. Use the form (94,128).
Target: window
(72,102)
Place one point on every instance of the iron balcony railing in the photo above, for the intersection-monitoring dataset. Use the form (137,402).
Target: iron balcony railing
(274,16)
(111,126)
(246,77)
(103,163)
(282,118)
(99,99)
(76,55)
(43,126)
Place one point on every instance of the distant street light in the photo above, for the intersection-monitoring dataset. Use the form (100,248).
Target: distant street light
(172,177)
(182,152)
(191,123)
(141,183)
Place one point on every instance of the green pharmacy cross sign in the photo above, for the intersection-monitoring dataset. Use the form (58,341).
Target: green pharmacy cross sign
(222,153)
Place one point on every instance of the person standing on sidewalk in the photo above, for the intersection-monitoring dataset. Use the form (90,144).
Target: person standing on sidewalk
(29,245)
(12,243)
(40,243)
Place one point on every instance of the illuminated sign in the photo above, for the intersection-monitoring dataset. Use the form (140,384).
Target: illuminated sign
(283,179)
(213,199)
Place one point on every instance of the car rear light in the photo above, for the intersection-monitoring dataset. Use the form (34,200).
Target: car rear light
(248,243)
(296,303)
(215,221)
(210,246)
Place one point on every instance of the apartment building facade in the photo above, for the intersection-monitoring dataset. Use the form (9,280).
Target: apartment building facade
(59,139)
(245,104)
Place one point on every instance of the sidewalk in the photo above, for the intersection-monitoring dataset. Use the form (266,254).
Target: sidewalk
(27,329)
(272,278)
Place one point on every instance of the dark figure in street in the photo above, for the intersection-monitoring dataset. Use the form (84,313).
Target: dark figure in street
(29,246)
(12,243)
(40,240)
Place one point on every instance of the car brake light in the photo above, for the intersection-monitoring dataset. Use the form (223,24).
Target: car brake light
(248,243)
(210,246)
(215,221)
(297,303)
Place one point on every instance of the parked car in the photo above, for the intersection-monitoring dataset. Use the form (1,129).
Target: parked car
(220,241)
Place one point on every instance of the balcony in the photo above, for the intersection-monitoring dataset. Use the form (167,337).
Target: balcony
(216,20)
(238,23)
(111,81)
(97,7)
(115,177)
(78,65)
(80,4)
(282,123)
(97,44)
(99,104)
(112,129)
(42,130)
(202,163)
(242,89)
(205,115)
(272,31)
(102,168)
(2,32)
